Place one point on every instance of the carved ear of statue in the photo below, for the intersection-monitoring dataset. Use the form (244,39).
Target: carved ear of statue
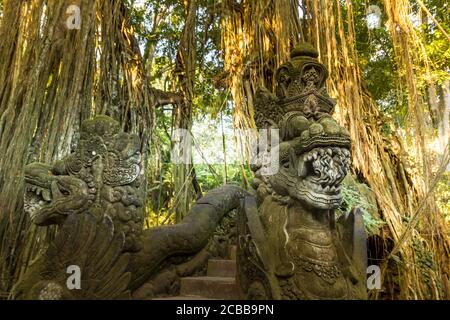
(283,79)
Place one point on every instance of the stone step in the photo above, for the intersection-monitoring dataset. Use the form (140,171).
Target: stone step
(209,287)
(221,268)
(232,252)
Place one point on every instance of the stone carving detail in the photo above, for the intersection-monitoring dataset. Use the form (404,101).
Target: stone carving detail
(103,175)
(290,245)
(95,195)
(91,245)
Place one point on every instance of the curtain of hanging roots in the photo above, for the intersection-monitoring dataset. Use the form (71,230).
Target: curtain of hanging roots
(47,87)
(256,40)
(401,193)
(184,72)
(257,36)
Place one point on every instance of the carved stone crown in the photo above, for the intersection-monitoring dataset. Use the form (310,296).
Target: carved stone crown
(101,137)
(313,149)
(300,88)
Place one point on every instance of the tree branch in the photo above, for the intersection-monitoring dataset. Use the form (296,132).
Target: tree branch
(165,97)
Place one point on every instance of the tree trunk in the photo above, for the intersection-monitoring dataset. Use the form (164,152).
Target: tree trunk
(47,87)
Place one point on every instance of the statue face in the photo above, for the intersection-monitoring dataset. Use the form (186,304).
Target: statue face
(49,198)
(102,175)
(313,164)
(314,150)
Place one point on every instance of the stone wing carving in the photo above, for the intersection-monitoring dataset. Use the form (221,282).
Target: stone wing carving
(288,237)
(91,247)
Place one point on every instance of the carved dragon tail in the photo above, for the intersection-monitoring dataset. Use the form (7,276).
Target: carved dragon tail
(186,238)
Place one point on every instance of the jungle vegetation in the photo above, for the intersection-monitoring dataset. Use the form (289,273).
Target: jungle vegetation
(161,65)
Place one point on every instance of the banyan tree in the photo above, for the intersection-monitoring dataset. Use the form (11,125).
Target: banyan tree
(110,81)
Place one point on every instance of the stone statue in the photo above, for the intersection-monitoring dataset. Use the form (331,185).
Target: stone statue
(290,245)
(95,195)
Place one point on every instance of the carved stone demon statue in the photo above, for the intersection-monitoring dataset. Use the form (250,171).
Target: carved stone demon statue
(102,175)
(290,246)
(95,196)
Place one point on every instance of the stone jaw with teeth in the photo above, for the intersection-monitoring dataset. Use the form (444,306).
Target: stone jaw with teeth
(35,199)
(314,159)
(313,177)
(304,251)
(330,165)
(45,193)
(103,172)
(50,198)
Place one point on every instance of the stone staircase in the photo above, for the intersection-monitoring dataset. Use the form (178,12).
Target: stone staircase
(219,282)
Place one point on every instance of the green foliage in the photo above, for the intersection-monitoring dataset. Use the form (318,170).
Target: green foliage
(376,55)
(165,36)
(427,267)
(209,180)
(377,59)
(437,44)
(355,195)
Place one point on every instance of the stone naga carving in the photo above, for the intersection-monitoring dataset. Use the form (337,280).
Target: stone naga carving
(103,176)
(290,245)
(95,195)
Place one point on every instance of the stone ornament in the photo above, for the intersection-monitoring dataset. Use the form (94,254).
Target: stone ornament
(290,245)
